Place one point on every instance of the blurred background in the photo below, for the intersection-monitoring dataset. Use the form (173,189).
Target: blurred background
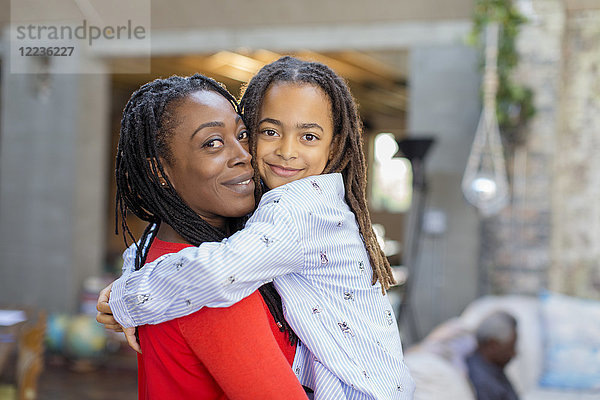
(416,70)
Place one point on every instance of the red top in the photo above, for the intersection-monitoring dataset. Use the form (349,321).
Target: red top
(216,353)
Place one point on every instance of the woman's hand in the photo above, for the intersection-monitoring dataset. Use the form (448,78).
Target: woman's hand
(105,317)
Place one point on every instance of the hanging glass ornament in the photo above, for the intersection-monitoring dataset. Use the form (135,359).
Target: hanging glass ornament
(485,184)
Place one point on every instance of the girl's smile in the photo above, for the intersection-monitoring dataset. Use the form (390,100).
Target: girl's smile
(282,171)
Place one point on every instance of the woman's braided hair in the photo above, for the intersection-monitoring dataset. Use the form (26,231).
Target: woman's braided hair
(146,129)
(348,156)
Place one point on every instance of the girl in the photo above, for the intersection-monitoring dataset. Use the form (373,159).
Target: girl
(311,235)
(183,166)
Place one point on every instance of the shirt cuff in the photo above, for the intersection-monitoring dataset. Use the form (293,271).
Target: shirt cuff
(118,304)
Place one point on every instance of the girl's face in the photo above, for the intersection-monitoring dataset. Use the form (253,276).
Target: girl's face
(295,133)
(210,168)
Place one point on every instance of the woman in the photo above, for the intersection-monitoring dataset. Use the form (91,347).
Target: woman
(183,166)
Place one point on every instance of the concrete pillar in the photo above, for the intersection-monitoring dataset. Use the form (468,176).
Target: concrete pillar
(53,170)
(444,103)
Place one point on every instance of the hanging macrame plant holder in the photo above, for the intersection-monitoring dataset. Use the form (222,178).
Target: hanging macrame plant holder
(485,184)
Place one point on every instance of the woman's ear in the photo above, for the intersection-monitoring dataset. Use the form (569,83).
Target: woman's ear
(154,168)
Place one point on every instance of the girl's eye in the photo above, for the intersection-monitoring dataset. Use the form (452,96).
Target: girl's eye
(214,143)
(269,132)
(309,137)
(243,135)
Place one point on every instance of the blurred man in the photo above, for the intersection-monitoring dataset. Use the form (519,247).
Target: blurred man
(496,340)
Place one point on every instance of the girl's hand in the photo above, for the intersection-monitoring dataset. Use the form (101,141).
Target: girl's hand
(105,317)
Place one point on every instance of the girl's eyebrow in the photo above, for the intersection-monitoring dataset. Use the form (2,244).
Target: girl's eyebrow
(270,121)
(309,125)
(300,125)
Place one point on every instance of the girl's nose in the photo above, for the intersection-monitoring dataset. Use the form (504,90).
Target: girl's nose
(287,148)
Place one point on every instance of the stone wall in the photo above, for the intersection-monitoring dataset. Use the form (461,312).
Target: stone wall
(576,235)
(549,237)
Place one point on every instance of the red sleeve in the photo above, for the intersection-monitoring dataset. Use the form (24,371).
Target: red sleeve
(238,348)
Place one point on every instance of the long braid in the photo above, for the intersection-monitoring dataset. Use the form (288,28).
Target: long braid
(348,158)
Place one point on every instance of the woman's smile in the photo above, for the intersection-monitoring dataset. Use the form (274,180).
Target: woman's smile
(242,184)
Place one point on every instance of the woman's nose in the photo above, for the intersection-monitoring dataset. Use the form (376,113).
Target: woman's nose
(240,154)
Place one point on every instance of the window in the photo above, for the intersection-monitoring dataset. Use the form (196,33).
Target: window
(391,190)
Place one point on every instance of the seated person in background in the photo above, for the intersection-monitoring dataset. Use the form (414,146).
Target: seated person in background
(496,339)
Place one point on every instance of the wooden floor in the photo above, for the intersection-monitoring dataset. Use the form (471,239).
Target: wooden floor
(114,379)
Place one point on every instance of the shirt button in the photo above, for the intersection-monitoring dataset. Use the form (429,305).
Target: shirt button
(400,388)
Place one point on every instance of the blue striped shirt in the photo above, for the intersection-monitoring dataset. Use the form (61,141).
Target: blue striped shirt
(305,238)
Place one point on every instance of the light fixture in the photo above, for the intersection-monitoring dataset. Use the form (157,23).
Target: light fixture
(485,184)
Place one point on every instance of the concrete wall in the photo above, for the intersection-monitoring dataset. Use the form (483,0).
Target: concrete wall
(193,15)
(53,153)
(52,186)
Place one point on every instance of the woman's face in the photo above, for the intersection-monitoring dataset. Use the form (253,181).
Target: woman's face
(210,164)
(295,133)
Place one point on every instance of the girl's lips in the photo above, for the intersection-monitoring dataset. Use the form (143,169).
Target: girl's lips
(282,171)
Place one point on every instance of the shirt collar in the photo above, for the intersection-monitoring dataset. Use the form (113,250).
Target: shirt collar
(323,184)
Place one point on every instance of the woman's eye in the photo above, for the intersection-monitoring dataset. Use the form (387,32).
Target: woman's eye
(243,135)
(310,137)
(214,143)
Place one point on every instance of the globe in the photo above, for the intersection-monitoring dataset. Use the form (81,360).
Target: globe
(84,338)
(56,328)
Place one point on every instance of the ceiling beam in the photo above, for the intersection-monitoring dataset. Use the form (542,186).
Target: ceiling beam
(319,38)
